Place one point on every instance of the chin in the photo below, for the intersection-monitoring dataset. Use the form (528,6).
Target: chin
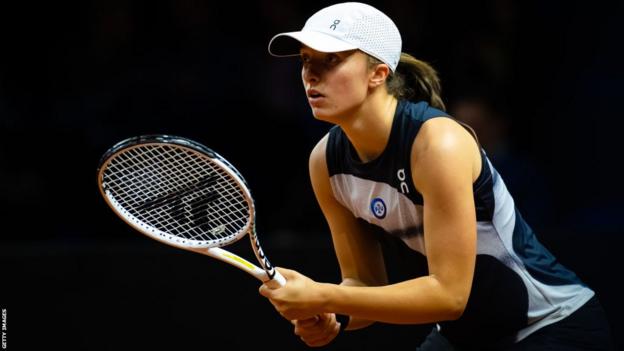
(325,116)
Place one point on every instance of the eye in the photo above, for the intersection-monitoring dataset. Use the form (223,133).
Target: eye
(331,59)
(305,58)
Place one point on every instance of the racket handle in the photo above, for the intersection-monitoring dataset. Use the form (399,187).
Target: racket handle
(277,281)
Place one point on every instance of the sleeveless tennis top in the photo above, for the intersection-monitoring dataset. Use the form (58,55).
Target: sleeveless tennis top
(518,286)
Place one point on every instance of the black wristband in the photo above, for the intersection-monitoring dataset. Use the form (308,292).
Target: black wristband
(343,319)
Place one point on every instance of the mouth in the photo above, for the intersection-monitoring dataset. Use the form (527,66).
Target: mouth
(314,94)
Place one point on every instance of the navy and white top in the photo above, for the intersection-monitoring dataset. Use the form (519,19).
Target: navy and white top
(518,286)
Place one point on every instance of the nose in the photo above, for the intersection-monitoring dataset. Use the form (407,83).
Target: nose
(310,74)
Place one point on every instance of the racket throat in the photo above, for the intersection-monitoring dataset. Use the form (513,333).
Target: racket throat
(264,261)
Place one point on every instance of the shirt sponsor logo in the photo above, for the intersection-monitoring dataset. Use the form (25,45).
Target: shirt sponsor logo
(403,184)
(378,207)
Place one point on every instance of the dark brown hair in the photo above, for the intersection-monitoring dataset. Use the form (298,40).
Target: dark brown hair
(414,80)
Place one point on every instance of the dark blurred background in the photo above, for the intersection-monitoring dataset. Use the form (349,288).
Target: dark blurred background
(540,81)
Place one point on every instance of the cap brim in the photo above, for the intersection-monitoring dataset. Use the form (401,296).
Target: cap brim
(288,44)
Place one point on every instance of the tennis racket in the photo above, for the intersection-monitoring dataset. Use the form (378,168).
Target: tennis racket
(183,194)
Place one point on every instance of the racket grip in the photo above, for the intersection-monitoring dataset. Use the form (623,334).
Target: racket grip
(277,281)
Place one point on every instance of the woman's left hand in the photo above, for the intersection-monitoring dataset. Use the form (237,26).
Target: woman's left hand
(317,331)
(301,298)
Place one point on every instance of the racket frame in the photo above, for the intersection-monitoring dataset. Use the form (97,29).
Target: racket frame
(266,274)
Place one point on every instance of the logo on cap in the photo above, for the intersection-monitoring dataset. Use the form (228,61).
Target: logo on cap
(333,26)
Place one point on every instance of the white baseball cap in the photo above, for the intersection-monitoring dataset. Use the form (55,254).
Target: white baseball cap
(342,27)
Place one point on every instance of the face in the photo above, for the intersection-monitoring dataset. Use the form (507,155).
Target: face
(335,83)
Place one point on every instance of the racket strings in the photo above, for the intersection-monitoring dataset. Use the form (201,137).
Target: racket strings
(203,204)
(177,191)
(198,196)
(176,215)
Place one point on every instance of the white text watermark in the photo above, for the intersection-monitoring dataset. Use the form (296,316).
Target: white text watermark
(4,328)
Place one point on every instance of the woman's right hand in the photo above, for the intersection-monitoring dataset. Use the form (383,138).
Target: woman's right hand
(317,331)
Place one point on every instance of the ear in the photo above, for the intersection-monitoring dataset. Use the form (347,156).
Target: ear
(378,75)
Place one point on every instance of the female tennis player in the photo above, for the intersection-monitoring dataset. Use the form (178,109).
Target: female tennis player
(396,164)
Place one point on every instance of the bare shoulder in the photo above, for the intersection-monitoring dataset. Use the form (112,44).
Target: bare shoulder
(319,177)
(317,160)
(442,132)
(443,142)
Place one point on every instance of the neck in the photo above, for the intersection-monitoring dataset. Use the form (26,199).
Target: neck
(369,127)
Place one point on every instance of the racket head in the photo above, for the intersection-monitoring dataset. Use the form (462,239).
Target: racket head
(176,191)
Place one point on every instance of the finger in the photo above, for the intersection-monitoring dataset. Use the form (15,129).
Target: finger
(266,291)
(325,324)
(330,324)
(309,321)
(308,332)
(323,339)
(314,330)
(320,341)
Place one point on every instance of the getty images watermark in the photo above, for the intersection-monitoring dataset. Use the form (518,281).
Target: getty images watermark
(4,328)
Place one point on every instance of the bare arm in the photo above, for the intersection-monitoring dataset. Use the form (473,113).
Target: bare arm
(358,252)
(359,256)
(445,162)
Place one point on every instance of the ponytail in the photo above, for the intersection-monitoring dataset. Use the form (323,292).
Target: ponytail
(414,80)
